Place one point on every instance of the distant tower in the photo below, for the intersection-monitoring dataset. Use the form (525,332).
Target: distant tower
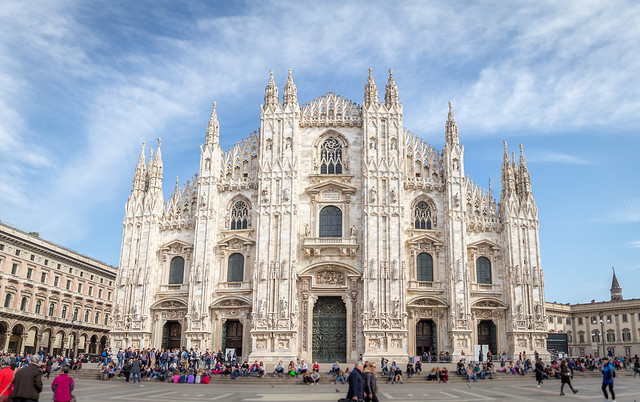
(616,290)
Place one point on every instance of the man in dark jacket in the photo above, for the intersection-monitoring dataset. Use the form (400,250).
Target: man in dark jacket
(135,369)
(27,383)
(356,383)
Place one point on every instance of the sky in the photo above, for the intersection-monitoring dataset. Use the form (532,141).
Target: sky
(84,83)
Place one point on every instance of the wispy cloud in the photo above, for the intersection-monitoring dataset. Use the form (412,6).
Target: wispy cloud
(557,157)
(627,211)
(635,244)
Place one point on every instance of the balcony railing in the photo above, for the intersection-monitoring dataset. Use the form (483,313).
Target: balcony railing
(317,245)
(482,287)
(426,285)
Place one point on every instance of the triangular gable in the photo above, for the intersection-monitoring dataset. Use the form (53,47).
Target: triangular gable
(235,239)
(331,184)
(425,238)
(493,246)
(176,244)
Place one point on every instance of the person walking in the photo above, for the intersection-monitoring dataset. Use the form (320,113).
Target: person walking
(48,366)
(608,372)
(356,383)
(565,377)
(539,372)
(6,379)
(62,386)
(135,369)
(370,383)
(27,382)
(126,370)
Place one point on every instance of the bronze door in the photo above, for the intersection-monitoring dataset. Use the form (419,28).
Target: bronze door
(233,337)
(329,342)
(425,337)
(171,335)
(487,335)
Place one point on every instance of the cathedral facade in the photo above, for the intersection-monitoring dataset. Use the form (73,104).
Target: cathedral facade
(331,234)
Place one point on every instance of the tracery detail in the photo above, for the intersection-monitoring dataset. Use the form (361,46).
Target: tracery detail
(239,216)
(331,157)
(422,216)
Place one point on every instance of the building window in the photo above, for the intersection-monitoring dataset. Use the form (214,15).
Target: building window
(56,280)
(96,318)
(1,247)
(52,307)
(68,284)
(624,318)
(608,318)
(330,222)
(483,270)
(611,337)
(86,316)
(424,265)
(46,262)
(43,277)
(239,216)
(38,306)
(17,253)
(29,273)
(64,311)
(99,293)
(14,269)
(422,215)
(7,300)
(550,319)
(569,337)
(331,157)
(595,336)
(581,337)
(33,257)
(90,290)
(579,320)
(559,320)
(23,304)
(568,321)
(176,271)
(81,274)
(626,336)
(79,288)
(75,313)
(109,296)
(235,271)
(106,319)
(594,320)
(627,351)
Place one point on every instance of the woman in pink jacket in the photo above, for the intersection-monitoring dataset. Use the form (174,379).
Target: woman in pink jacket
(62,386)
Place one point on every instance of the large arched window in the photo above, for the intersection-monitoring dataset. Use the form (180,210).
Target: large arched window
(239,216)
(330,222)
(424,265)
(422,215)
(483,270)
(331,157)
(235,271)
(23,304)
(176,271)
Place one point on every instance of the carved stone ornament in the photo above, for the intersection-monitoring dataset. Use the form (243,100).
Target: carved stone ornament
(329,278)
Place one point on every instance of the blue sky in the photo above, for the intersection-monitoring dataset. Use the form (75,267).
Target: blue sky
(82,84)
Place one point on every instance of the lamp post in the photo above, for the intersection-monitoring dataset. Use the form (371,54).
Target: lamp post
(75,340)
(604,351)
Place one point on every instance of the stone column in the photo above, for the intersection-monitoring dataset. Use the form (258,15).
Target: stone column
(38,341)
(23,341)
(7,338)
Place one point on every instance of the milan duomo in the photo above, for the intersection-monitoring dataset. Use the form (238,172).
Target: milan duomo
(331,234)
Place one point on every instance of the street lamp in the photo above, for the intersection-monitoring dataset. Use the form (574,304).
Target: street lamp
(74,350)
(604,351)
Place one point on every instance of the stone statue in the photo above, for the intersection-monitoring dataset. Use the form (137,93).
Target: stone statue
(307,231)
(283,307)
(374,307)
(354,231)
(394,270)
(396,308)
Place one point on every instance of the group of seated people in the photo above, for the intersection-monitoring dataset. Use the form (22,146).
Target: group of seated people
(341,376)
(437,374)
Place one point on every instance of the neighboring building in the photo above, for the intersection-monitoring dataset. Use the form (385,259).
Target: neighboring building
(333,233)
(51,296)
(582,325)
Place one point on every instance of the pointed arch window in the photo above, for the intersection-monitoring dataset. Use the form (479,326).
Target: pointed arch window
(331,157)
(176,271)
(239,216)
(235,269)
(424,265)
(483,270)
(330,222)
(422,215)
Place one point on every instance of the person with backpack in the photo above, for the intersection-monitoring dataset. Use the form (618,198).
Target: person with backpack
(608,373)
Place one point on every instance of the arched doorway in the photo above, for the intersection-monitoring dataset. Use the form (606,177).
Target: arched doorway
(103,343)
(232,336)
(93,344)
(171,335)
(426,339)
(30,343)
(15,340)
(3,334)
(329,342)
(487,335)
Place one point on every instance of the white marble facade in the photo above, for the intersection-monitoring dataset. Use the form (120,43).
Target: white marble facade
(331,199)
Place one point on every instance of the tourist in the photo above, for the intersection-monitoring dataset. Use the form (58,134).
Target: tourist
(126,370)
(565,377)
(370,383)
(418,367)
(444,375)
(291,369)
(335,368)
(27,382)
(62,386)
(278,369)
(636,366)
(6,379)
(315,377)
(356,383)
(135,369)
(302,367)
(48,366)
(340,377)
(410,369)
(539,372)
(608,372)
(315,367)
(306,378)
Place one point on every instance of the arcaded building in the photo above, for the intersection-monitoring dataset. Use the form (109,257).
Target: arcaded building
(51,296)
(331,233)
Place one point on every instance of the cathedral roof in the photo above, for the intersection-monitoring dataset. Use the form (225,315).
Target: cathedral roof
(331,109)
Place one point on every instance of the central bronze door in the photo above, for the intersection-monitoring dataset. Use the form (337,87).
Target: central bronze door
(329,342)
(171,335)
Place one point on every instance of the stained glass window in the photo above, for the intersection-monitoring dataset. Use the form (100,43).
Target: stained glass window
(235,271)
(331,157)
(176,271)
(425,267)
(239,216)
(330,222)
(483,270)
(422,215)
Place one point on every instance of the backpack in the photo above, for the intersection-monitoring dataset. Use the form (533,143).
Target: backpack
(104,353)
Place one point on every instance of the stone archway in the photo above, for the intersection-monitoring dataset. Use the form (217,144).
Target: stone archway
(168,310)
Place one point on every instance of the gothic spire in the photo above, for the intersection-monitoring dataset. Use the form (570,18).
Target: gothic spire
(370,91)
(213,128)
(290,92)
(155,172)
(139,176)
(508,179)
(391,97)
(523,175)
(271,92)
(451,128)
(616,290)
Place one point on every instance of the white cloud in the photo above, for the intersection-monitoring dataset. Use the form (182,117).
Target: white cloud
(556,157)
(627,211)
(635,244)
